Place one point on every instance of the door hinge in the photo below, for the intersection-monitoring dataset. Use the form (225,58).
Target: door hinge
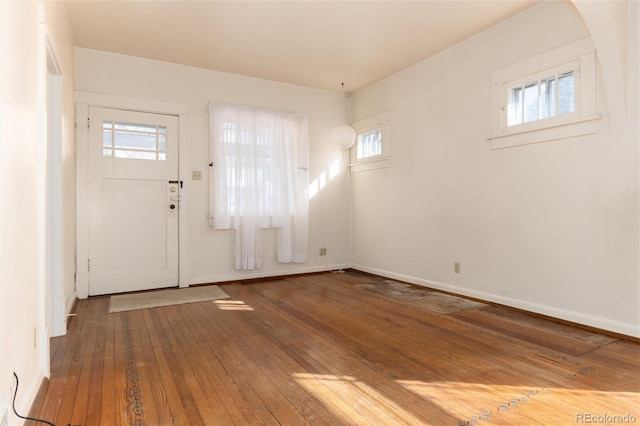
(88,123)
(88,265)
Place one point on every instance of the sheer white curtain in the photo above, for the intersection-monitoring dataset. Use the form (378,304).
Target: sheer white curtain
(259,180)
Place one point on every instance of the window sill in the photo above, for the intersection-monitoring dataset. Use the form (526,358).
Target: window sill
(580,127)
(373,164)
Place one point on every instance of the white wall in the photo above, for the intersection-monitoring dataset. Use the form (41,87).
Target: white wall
(550,227)
(21,202)
(23,173)
(211,252)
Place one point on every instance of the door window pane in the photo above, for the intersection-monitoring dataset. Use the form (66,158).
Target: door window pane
(134,141)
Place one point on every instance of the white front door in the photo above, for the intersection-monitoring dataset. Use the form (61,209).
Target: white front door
(134,198)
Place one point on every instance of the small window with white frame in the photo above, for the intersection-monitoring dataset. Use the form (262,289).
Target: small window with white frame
(372,147)
(555,102)
(369,143)
(551,94)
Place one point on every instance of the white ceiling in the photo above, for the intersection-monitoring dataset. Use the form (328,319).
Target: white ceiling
(318,44)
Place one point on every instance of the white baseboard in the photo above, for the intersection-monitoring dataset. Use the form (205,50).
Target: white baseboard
(82,284)
(248,275)
(60,328)
(26,396)
(70,303)
(614,326)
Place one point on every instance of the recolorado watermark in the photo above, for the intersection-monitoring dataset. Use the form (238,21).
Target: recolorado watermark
(605,418)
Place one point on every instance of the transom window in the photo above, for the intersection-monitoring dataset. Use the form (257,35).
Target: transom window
(134,141)
(548,97)
(369,144)
(542,98)
(372,148)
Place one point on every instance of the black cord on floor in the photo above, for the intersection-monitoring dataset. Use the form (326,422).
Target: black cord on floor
(15,393)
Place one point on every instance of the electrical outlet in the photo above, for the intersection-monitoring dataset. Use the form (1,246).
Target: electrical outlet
(323,251)
(456,267)
(196,175)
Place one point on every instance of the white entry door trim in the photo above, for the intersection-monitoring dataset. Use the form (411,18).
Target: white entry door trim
(83,101)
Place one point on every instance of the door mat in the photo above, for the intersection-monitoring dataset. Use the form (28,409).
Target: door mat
(154,299)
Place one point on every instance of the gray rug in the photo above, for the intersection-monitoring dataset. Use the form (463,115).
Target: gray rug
(154,299)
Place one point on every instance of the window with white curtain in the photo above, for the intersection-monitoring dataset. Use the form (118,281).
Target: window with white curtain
(259,179)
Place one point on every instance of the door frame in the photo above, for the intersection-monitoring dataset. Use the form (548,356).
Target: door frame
(57,315)
(84,100)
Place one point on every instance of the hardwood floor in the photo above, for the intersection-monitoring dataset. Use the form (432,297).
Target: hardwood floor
(335,349)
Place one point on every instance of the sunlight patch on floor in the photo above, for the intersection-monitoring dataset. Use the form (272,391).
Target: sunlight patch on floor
(471,400)
(355,397)
(232,305)
(475,401)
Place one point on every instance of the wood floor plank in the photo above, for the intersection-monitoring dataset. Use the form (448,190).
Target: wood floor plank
(556,328)
(262,333)
(567,345)
(94,389)
(170,383)
(475,338)
(396,338)
(333,349)
(241,404)
(118,411)
(268,396)
(60,366)
(89,386)
(156,407)
(277,367)
(148,371)
(329,361)
(80,359)
(138,369)
(194,400)
(108,376)
(618,365)
(204,377)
